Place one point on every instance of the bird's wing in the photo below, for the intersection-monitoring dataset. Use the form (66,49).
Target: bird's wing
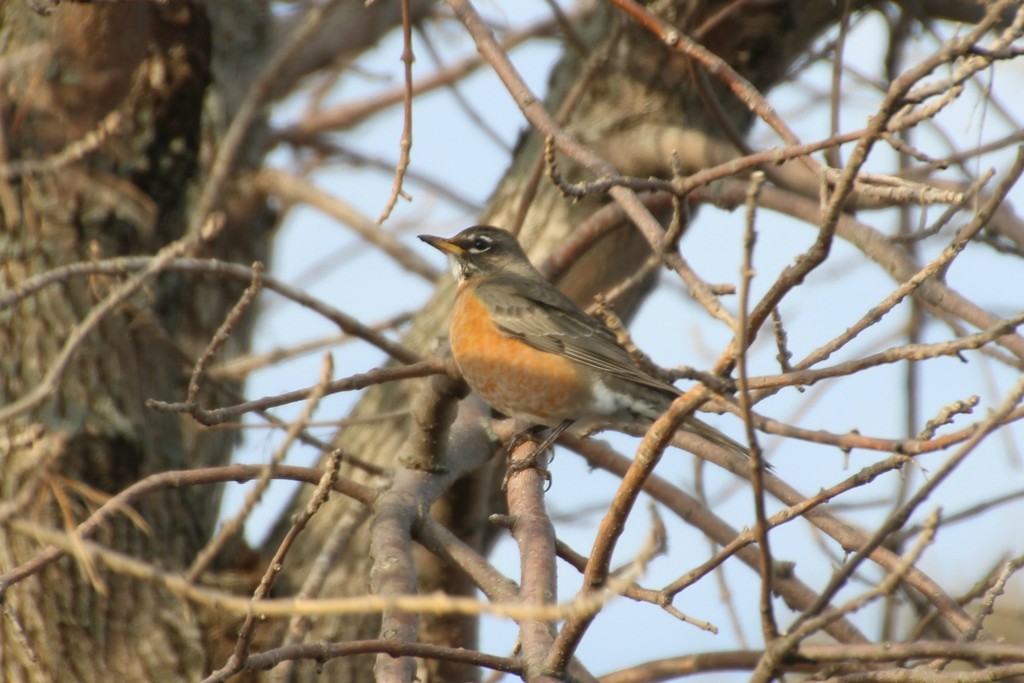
(547,320)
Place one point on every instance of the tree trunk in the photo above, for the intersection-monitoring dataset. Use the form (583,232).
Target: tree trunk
(68,75)
(112,117)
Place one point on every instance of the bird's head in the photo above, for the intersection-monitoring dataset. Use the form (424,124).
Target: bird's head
(483,250)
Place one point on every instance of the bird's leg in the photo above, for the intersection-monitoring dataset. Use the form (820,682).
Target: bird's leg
(552,437)
(531,461)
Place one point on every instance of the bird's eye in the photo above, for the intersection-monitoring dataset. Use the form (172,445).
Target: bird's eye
(480,244)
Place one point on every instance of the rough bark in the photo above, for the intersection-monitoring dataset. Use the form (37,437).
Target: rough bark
(149,63)
(147,91)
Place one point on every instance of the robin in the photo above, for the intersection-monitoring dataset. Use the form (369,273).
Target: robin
(533,354)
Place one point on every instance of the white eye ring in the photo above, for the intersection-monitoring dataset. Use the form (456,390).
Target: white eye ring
(480,245)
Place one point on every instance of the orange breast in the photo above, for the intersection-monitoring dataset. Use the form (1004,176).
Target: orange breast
(513,377)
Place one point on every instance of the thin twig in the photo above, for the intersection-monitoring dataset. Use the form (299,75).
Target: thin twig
(613,523)
(353,383)
(769,627)
(405,144)
(331,550)
(170,480)
(225,602)
(224,331)
(245,635)
(293,188)
(128,264)
(233,526)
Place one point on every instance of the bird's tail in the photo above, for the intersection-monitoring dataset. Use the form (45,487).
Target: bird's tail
(706,431)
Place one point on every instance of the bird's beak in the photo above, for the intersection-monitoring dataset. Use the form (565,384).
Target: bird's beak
(441,244)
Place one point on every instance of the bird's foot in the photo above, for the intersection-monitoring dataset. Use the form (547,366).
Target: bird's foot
(535,460)
(531,462)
